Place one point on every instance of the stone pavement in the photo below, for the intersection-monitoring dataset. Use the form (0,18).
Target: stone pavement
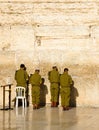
(48,118)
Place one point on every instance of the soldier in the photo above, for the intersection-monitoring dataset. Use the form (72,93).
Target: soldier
(21,76)
(35,81)
(53,77)
(65,83)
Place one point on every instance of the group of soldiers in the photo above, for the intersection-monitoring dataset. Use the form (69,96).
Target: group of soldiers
(59,84)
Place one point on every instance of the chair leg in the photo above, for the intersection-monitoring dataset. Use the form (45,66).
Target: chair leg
(16,102)
(23,103)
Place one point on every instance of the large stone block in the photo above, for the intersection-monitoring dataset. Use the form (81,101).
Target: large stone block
(63,31)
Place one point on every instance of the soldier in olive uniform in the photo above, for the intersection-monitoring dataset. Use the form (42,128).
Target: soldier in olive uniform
(35,81)
(53,77)
(65,83)
(21,76)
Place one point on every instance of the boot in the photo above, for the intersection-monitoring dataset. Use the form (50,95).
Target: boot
(37,106)
(65,108)
(52,104)
(55,104)
(34,106)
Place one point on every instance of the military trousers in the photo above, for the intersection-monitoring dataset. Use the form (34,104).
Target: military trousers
(35,95)
(65,96)
(54,89)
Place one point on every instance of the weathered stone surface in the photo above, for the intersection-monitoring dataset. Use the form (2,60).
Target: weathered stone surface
(7,69)
(43,33)
(58,13)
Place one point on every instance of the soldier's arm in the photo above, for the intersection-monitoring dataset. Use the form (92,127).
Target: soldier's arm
(49,75)
(40,80)
(26,76)
(15,77)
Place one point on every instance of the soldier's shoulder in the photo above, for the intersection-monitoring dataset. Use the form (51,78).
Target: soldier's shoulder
(25,71)
(32,75)
(39,75)
(49,72)
(69,76)
(16,71)
(61,75)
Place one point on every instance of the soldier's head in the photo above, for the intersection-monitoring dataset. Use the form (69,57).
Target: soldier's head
(54,67)
(22,66)
(37,70)
(66,70)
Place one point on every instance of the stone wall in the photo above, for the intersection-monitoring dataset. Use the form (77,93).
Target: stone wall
(43,33)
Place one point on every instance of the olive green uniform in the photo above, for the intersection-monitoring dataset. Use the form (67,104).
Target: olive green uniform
(53,77)
(21,77)
(65,82)
(35,81)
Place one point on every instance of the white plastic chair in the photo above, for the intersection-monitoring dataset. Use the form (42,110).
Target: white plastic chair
(20,94)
